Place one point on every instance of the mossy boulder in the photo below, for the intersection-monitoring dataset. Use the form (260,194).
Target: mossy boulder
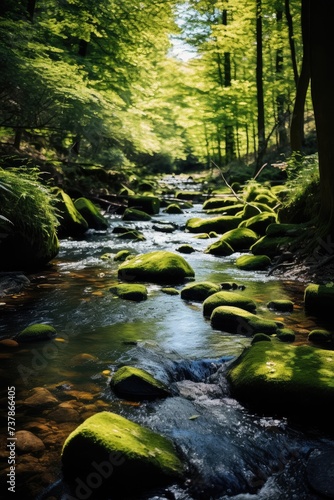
(123,455)
(91,213)
(319,300)
(240,238)
(199,291)
(286,379)
(227,210)
(236,320)
(213,203)
(36,332)
(281,305)
(130,291)
(170,290)
(320,336)
(286,335)
(218,224)
(122,255)
(185,249)
(254,208)
(292,230)
(148,204)
(136,384)
(260,337)
(132,214)
(227,298)
(219,248)
(271,245)
(157,267)
(253,262)
(71,222)
(259,223)
(131,234)
(173,208)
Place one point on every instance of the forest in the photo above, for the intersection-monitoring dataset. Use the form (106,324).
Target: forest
(166,249)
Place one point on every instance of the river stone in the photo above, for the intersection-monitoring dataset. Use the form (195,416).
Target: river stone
(64,413)
(253,262)
(294,380)
(227,298)
(259,223)
(170,291)
(130,291)
(72,223)
(218,224)
(320,472)
(271,245)
(281,305)
(319,300)
(173,208)
(148,204)
(136,384)
(36,332)
(240,238)
(27,442)
(122,255)
(199,291)
(157,267)
(91,213)
(236,320)
(320,336)
(212,203)
(136,215)
(40,397)
(220,248)
(286,335)
(227,210)
(128,456)
(185,249)
(255,208)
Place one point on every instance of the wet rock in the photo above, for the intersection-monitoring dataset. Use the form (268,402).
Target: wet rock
(286,335)
(170,291)
(319,300)
(281,305)
(72,223)
(148,204)
(260,337)
(11,283)
(217,202)
(253,262)
(27,442)
(132,214)
(173,208)
(40,397)
(227,298)
(133,292)
(8,343)
(255,208)
(136,384)
(320,472)
(82,359)
(271,245)
(218,224)
(122,255)
(91,213)
(320,336)
(259,223)
(219,248)
(121,449)
(199,291)
(227,210)
(132,234)
(36,332)
(240,238)
(64,413)
(236,320)
(157,267)
(164,228)
(185,249)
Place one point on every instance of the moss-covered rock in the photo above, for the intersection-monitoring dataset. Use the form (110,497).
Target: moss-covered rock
(240,238)
(259,223)
(253,262)
(121,454)
(122,255)
(219,248)
(320,336)
(286,379)
(173,208)
(286,335)
(218,224)
(36,332)
(136,384)
(136,215)
(91,213)
(148,204)
(260,337)
(213,203)
(236,320)
(185,249)
(271,245)
(227,210)
(170,290)
(281,305)
(319,300)
(226,298)
(157,267)
(254,208)
(131,234)
(71,222)
(292,230)
(199,291)
(130,291)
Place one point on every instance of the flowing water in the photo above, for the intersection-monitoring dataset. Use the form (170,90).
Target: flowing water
(229,452)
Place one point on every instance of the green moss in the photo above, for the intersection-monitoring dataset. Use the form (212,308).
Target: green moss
(122,255)
(291,230)
(320,336)
(239,238)
(259,223)
(218,224)
(134,383)
(202,236)
(271,246)
(286,335)
(133,451)
(130,292)
(236,320)
(91,214)
(219,248)
(199,291)
(72,223)
(213,203)
(132,234)
(253,262)
(148,204)
(226,298)
(157,267)
(173,208)
(260,337)
(255,208)
(170,291)
(282,377)
(136,215)
(319,300)
(185,249)
(227,210)
(281,305)
(36,332)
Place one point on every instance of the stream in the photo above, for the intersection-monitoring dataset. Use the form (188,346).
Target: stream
(228,451)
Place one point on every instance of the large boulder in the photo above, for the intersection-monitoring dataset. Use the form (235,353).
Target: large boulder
(240,238)
(218,224)
(137,384)
(156,267)
(71,222)
(319,300)
(236,320)
(227,298)
(129,291)
(91,213)
(253,262)
(271,245)
(148,204)
(199,291)
(117,455)
(286,379)
(259,223)
(220,248)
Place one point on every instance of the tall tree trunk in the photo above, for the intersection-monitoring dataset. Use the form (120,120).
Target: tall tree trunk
(259,87)
(291,40)
(280,99)
(31,5)
(321,38)
(297,121)
(229,130)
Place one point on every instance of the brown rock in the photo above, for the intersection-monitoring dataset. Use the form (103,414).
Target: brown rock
(27,442)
